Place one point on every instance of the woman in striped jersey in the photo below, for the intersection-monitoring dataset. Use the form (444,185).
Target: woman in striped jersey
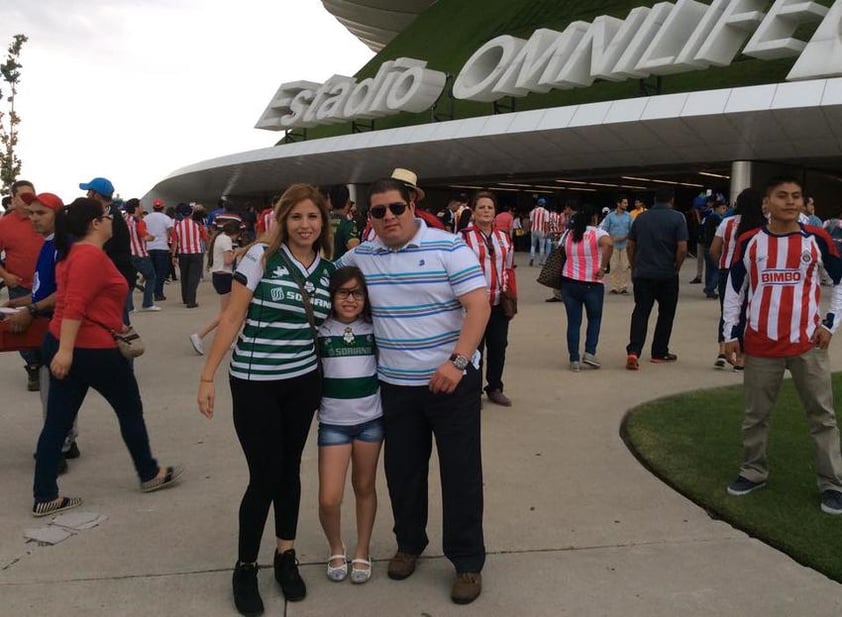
(588,250)
(221,259)
(350,421)
(279,298)
(748,215)
(495,253)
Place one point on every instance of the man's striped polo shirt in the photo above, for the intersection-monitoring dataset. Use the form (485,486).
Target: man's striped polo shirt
(414,294)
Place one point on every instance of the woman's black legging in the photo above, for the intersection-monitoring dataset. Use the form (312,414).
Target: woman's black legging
(272,420)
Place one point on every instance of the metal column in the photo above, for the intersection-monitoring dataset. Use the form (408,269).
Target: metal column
(740,178)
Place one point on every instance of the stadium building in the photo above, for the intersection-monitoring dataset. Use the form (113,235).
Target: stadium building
(569,99)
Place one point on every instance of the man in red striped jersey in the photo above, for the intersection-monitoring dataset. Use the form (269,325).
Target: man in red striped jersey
(138,235)
(188,244)
(777,272)
(538,222)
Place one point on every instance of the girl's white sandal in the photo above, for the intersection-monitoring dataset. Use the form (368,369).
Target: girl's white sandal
(338,573)
(360,575)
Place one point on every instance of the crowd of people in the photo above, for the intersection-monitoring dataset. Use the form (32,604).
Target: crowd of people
(388,329)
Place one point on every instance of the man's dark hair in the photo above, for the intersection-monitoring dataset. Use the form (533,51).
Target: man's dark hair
(339,196)
(7,201)
(16,186)
(620,197)
(384,185)
(776,181)
(664,194)
(131,205)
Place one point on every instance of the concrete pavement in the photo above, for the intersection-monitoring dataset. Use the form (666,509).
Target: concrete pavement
(574,525)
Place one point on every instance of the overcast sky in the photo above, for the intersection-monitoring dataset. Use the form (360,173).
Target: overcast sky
(135,89)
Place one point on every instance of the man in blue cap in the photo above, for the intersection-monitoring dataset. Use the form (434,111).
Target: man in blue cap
(118,248)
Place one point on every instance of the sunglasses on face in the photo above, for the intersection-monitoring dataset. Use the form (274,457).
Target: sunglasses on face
(378,212)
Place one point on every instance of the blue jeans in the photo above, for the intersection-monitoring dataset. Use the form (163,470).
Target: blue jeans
(537,241)
(107,372)
(31,356)
(577,295)
(161,261)
(711,273)
(345,435)
(146,269)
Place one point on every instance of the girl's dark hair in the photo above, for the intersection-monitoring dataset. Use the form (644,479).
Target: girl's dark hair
(73,221)
(581,219)
(749,206)
(344,274)
(384,185)
(230,228)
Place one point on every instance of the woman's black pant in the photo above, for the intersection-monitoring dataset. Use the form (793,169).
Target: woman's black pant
(493,348)
(272,420)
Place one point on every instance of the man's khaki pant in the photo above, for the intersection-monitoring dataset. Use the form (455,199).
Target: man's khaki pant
(811,375)
(620,271)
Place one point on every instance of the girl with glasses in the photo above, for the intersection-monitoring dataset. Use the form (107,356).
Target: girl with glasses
(350,422)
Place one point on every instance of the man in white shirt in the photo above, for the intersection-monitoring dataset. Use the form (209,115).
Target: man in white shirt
(159,225)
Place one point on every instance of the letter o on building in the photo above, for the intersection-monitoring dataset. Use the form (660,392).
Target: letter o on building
(483,69)
(415,90)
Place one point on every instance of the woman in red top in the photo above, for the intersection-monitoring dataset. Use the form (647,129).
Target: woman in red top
(82,353)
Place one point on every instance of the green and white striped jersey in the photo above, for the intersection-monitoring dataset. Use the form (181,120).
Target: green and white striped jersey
(277,341)
(350,391)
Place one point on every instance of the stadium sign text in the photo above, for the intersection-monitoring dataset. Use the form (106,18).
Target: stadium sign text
(404,84)
(668,38)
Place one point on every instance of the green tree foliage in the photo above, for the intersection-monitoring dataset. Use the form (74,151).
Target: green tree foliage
(9,120)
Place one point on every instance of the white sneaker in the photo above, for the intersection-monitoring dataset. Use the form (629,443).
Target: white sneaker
(196,341)
(150,309)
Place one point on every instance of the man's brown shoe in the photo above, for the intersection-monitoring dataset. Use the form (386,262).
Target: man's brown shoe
(466,587)
(402,565)
(497,396)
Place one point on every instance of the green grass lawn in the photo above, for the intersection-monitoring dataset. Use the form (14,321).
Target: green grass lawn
(692,442)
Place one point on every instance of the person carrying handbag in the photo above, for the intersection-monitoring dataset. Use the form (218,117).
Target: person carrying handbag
(82,354)
(495,253)
(279,298)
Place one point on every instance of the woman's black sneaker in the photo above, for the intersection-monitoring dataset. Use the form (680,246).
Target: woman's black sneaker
(246,594)
(286,573)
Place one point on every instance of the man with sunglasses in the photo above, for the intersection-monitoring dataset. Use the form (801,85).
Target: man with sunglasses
(430,306)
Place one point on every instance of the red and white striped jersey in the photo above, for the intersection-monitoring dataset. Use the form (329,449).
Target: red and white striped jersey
(553,222)
(137,235)
(727,230)
(188,236)
(496,257)
(538,219)
(779,278)
(584,257)
(265,221)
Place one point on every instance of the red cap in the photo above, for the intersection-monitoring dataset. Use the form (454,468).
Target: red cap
(50,200)
(157,203)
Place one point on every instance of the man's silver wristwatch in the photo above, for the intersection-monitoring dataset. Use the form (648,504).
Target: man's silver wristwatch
(459,361)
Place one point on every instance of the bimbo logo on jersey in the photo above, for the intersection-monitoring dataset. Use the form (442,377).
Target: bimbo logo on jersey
(780,277)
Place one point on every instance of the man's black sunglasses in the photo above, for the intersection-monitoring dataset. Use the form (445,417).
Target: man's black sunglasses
(378,212)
